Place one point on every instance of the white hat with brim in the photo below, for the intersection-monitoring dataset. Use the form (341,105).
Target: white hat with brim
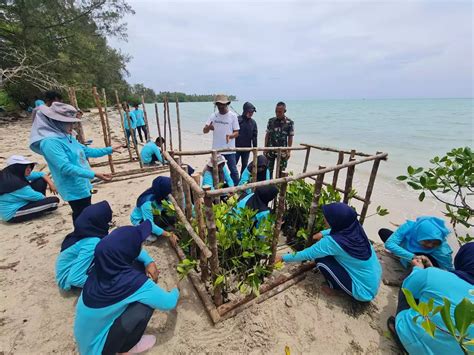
(18,159)
(222,99)
(220,160)
(60,112)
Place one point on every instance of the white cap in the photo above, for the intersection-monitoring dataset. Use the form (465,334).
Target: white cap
(18,159)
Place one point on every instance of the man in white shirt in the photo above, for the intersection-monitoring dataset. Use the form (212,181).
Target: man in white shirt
(225,127)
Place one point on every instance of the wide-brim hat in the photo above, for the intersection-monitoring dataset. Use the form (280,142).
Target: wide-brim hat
(222,99)
(220,160)
(60,112)
(18,159)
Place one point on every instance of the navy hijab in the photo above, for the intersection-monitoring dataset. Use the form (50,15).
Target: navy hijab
(464,263)
(262,162)
(92,222)
(160,188)
(112,277)
(13,178)
(347,231)
(261,198)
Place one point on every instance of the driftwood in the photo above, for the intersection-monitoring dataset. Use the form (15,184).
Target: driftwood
(279,219)
(121,123)
(104,126)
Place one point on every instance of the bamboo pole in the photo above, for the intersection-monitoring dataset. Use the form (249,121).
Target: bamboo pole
(104,97)
(146,118)
(184,174)
(164,124)
(370,188)
(279,219)
(340,159)
(287,179)
(104,126)
(214,258)
(157,120)
(318,185)
(199,242)
(178,119)
(255,167)
(169,123)
(121,123)
(132,137)
(198,206)
(278,163)
(224,150)
(349,178)
(306,159)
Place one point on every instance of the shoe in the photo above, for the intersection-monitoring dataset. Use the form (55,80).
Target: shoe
(151,238)
(145,343)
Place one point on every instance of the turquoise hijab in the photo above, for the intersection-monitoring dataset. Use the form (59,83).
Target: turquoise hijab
(425,228)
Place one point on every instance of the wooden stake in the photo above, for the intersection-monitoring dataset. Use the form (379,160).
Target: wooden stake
(215,170)
(104,126)
(318,185)
(306,159)
(278,163)
(121,123)
(132,137)
(187,197)
(164,125)
(370,188)
(178,119)
(104,97)
(255,167)
(81,137)
(214,259)
(158,121)
(169,123)
(340,159)
(233,150)
(146,118)
(318,147)
(198,206)
(349,178)
(184,174)
(279,219)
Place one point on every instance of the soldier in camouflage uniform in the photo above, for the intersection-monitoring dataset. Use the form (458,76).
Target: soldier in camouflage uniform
(280,132)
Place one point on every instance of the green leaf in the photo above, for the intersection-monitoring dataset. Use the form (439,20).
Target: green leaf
(464,315)
(422,196)
(429,327)
(414,185)
(220,279)
(446,316)
(410,170)
(410,299)
(402,177)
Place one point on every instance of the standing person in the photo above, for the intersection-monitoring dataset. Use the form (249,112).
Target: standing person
(23,191)
(248,134)
(280,132)
(343,254)
(119,297)
(141,125)
(66,157)
(430,284)
(151,152)
(129,131)
(225,127)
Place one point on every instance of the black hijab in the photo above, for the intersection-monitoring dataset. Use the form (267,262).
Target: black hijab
(464,263)
(261,197)
(13,178)
(262,165)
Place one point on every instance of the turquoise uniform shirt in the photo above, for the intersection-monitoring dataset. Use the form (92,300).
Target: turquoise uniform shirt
(148,150)
(259,216)
(92,325)
(67,161)
(133,120)
(365,274)
(207,178)
(11,202)
(39,103)
(425,284)
(72,264)
(145,212)
(140,117)
(247,176)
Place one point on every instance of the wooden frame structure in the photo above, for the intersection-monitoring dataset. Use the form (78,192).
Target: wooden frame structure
(205,241)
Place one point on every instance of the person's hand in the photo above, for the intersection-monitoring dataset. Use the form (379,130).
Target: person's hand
(318,236)
(152,271)
(211,126)
(417,261)
(53,189)
(278,259)
(426,261)
(103,176)
(228,138)
(173,238)
(117,148)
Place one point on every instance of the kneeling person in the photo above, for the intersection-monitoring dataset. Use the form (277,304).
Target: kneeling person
(151,152)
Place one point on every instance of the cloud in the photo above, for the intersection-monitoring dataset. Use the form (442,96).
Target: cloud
(295,49)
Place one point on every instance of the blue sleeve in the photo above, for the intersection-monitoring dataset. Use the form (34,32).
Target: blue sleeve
(393,243)
(245,178)
(416,281)
(207,179)
(154,296)
(157,152)
(59,160)
(35,175)
(145,258)
(326,232)
(268,177)
(147,213)
(444,256)
(78,274)
(96,152)
(27,193)
(324,247)
(227,177)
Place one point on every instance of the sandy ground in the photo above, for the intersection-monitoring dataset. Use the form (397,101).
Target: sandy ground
(36,318)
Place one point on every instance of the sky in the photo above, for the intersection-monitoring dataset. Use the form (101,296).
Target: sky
(303,49)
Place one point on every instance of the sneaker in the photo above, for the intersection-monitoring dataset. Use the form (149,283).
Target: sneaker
(145,343)
(151,238)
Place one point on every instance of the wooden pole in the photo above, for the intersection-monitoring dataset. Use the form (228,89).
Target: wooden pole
(255,167)
(132,137)
(169,123)
(215,170)
(198,206)
(184,174)
(233,150)
(178,119)
(318,185)
(81,137)
(370,188)
(319,147)
(121,123)
(306,159)
(212,238)
(188,200)
(146,118)
(179,184)
(104,126)
(349,178)
(279,219)
(278,163)
(340,159)
(104,97)
(174,179)
(158,121)
(164,124)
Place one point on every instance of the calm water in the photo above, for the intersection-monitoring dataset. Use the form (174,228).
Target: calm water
(411,131)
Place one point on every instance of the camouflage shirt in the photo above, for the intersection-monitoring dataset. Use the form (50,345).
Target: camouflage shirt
(279,130)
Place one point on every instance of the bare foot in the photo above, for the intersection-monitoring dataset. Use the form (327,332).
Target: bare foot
(328,291)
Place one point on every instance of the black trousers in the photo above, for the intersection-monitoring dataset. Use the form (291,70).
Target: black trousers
(385,233)
(141,129)
(245,160)
(35,209)
(78,205)
(127,330)
(336,276)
